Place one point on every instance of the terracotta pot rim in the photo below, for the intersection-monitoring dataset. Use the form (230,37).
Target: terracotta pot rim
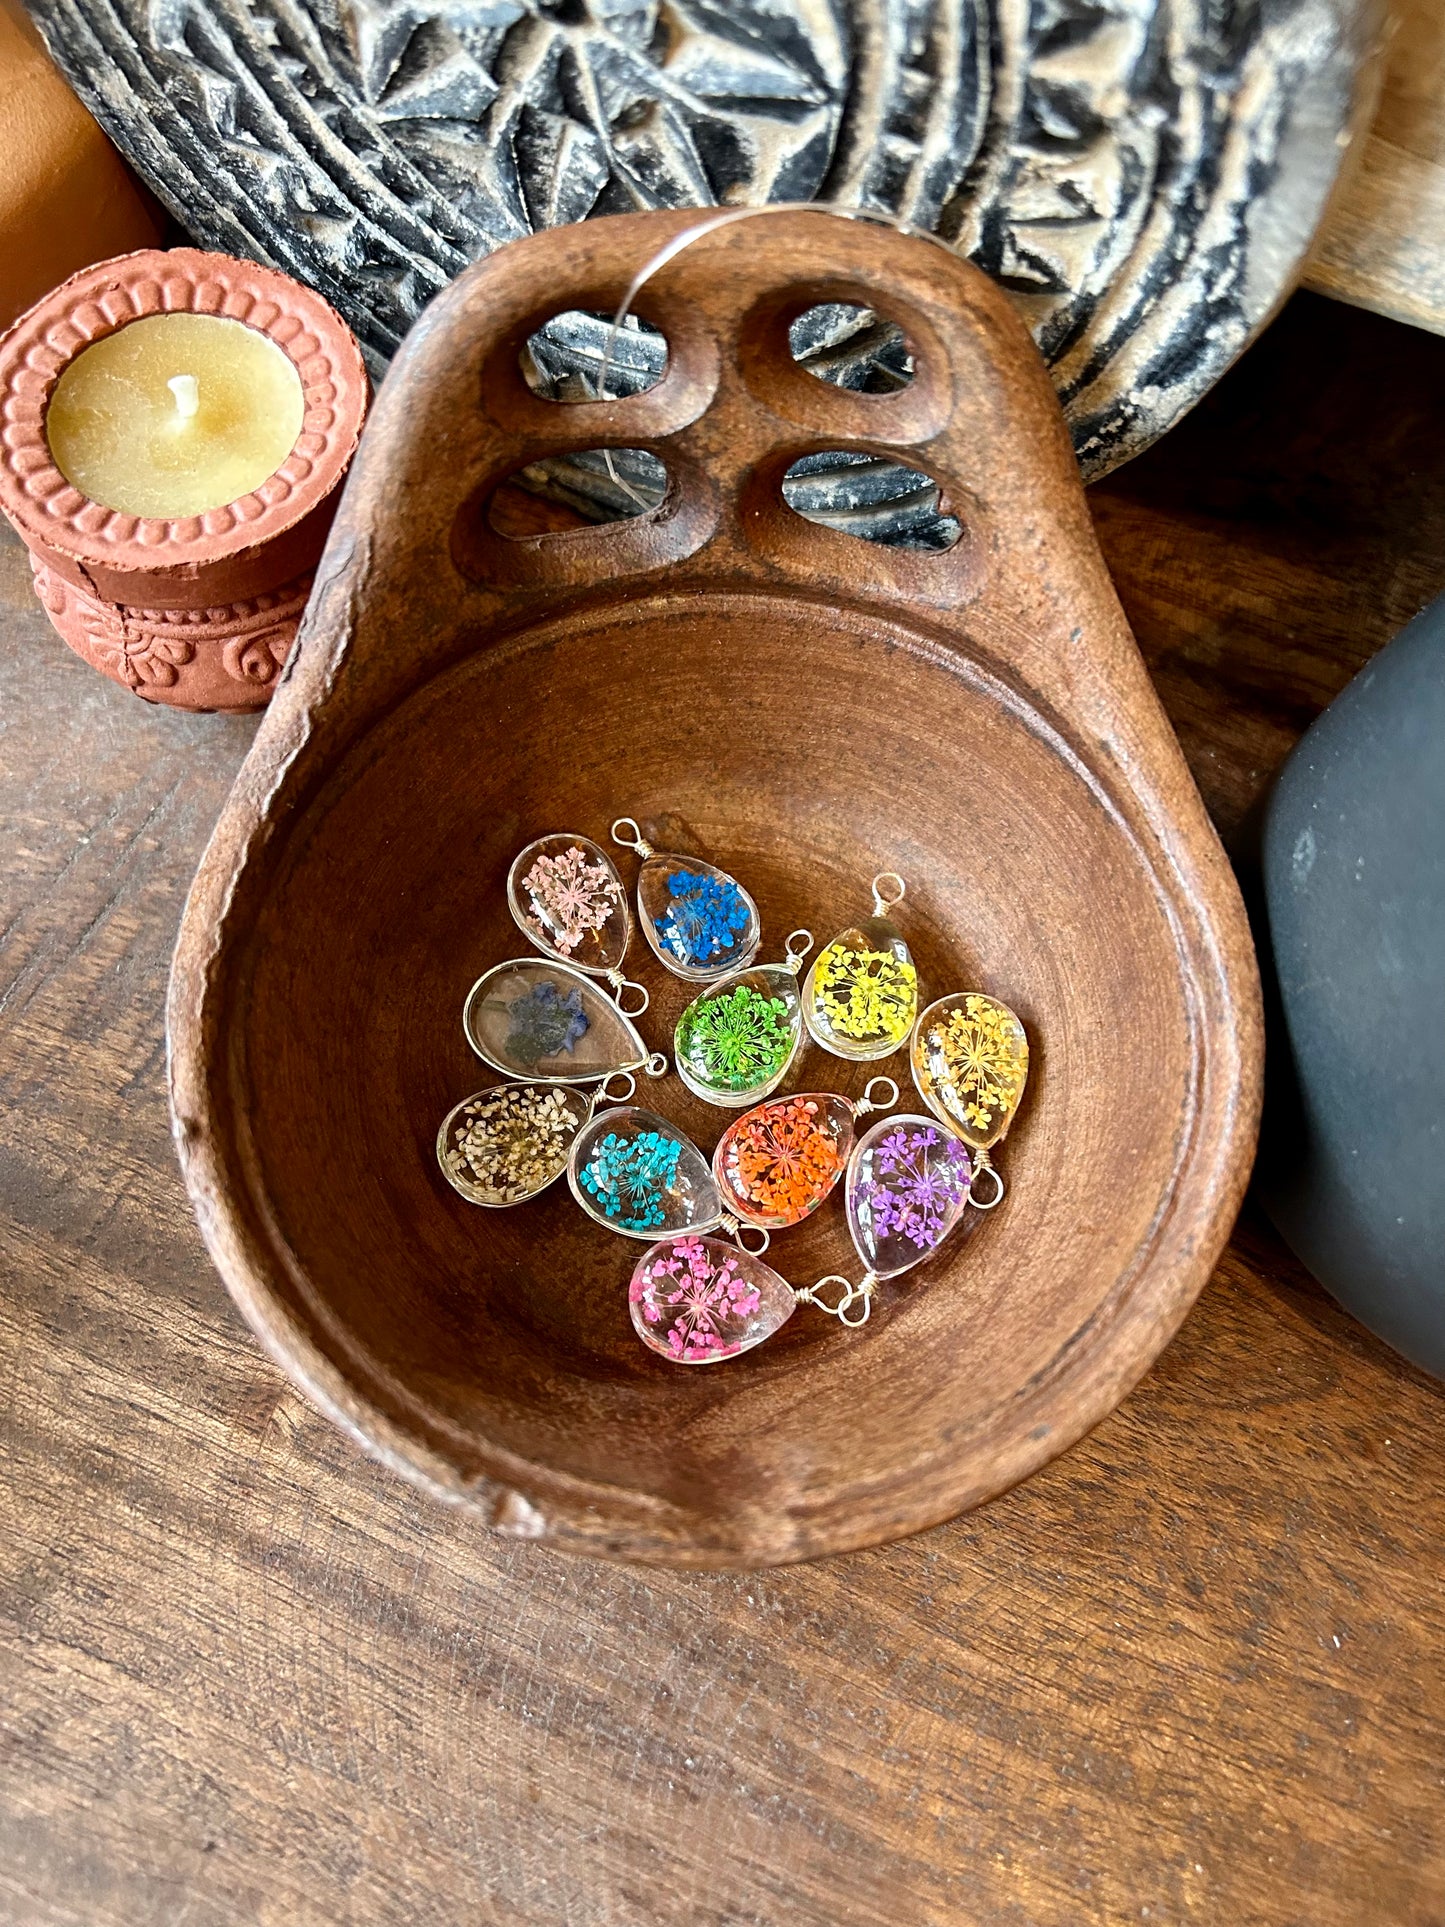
(54,517)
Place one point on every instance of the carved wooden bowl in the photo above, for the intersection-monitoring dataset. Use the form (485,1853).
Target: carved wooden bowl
(806,709)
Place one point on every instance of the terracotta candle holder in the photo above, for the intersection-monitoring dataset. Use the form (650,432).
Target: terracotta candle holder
(198,611)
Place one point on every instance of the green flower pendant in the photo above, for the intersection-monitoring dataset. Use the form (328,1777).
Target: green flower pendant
(736,1041)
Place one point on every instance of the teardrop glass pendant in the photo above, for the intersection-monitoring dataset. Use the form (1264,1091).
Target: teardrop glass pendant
(736,1041)
(907,1188)
(631,1171)
(970,1060)
(506,1145)
(776,1165)
(568,899)
(696,1301)
(547,1023)
(700,922)
(861,994)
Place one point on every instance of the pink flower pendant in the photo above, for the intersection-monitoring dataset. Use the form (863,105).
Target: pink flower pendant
(566,896)
(697,1300)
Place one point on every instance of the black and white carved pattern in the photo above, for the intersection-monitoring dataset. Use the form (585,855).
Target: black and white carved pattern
(1143,175)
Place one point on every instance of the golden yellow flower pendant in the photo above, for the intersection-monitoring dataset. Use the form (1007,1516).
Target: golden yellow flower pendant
(861,995)
(970,1061)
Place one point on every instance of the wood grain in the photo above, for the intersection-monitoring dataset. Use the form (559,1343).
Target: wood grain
(1382,245)
(249,1678)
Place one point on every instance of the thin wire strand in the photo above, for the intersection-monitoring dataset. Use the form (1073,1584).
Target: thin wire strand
(728,217)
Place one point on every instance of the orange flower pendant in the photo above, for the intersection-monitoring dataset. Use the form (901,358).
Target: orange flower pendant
(777,1164)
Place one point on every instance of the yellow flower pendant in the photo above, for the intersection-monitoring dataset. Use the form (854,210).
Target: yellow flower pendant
(861,995)
(970,1063)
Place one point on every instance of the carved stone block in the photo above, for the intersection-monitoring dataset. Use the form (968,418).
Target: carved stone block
(1143,177)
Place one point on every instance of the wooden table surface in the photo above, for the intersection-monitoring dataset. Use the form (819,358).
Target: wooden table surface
(1191,1672)
(1382,244)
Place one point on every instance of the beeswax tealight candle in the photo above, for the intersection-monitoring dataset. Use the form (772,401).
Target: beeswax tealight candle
(174,415)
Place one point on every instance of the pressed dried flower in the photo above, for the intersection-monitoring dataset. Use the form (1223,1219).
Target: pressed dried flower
(704,918)
(979,1050)
(866,995)
(736,1038)
(783,1160)
(696,1299)
(572,898)
(508,1144)
(908,1193)
(629,1178)
(545,1022)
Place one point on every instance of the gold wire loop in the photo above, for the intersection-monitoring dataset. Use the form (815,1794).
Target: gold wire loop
(809,1293)
(735,1230)
(605,1095)
(882,902)
(620,984)
(670,250)
(656,1065)
(868,1102)
(637,841)
(848,1297)
(981,1164)
(804,941)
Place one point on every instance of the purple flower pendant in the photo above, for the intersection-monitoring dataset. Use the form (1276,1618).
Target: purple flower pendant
(907,1188)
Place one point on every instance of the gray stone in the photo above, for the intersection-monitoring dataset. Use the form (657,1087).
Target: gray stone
(1352,1161)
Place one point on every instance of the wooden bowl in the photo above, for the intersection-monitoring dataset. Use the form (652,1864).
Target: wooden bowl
(806,709)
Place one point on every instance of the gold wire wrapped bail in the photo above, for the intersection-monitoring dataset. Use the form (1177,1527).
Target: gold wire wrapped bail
(735,1228)
(602,1095)
(620,983)
(868,1102)
(848,1297)
(982,1162)
(637,841)
(884,901)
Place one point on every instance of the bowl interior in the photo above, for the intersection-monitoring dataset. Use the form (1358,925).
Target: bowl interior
(803,749)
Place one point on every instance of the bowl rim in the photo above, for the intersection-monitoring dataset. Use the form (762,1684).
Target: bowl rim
(516,1496)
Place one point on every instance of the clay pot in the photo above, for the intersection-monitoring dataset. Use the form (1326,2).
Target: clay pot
(66,196)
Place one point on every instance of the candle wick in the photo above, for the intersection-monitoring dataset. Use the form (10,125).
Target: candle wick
(187,391)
